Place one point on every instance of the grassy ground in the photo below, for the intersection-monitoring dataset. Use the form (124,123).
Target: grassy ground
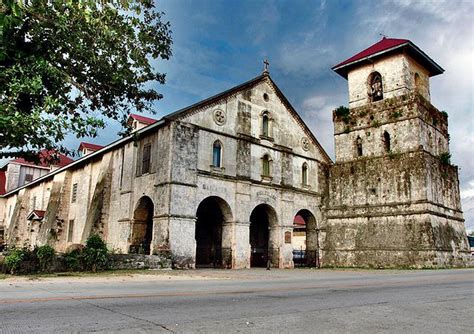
(92,274)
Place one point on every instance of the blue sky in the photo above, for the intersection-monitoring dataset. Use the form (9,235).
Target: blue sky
(219,44)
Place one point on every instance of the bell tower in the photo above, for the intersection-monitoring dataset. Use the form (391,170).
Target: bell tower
(394,195)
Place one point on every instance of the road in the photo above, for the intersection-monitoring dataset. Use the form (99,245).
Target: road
(244,301)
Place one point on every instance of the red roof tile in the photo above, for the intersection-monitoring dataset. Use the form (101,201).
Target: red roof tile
(44,154)
(143,119)
(89,146)
(2,182)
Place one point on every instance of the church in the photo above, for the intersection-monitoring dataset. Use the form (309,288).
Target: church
(238,180)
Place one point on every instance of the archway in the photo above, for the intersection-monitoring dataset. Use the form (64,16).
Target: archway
(212,214)
(305,239)
(142,229)
(263,246)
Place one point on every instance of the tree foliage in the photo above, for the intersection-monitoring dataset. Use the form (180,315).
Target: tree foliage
(66,66)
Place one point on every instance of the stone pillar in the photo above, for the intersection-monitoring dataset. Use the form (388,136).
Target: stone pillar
(274,246)
(160,241)
(228,237)
(286,248)
(241,245)
(182,241)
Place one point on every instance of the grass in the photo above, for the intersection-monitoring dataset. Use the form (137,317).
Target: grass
(106,273)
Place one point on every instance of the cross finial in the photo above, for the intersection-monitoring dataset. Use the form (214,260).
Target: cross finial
(383,35)
(266,64)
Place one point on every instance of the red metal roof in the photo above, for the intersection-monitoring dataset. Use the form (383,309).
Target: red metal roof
(44,154)
(89,146)
(388,45)
(299,220)
(143,119)
(36,215)
(2,182)
(384,44)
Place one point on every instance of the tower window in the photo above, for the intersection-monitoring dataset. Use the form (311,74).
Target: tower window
(266,165)
(417,82)
(265,124)
(359,146)
(386,140)
(304,173)
(375,87)
(216,154)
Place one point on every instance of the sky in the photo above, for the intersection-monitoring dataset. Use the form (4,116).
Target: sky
(220,44)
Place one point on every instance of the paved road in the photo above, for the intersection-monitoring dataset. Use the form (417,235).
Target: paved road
(247,301)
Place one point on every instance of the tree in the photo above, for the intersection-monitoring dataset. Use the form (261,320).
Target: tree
(65,66)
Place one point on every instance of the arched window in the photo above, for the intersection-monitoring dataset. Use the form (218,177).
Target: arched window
(417,82)
(216,154)
(375,87)
(304,173)
(266,165)
(386,141)
(265,124)
(359,146)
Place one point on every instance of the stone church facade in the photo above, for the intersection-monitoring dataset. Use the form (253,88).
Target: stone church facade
(221,182)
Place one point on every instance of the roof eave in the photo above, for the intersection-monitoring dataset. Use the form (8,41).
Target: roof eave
(87,157)
(343,69)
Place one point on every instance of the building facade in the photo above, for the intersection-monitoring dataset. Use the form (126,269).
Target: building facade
(221,182)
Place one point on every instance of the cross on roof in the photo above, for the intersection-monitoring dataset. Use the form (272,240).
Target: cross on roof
(266,64)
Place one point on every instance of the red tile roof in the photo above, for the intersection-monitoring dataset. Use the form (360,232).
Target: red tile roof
(89,146)
(44,154)
(387,45)
(143,119)
(2,182)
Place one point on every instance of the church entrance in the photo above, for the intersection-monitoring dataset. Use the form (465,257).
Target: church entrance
(263,250)
(212,214)
(305,240)
(142,228)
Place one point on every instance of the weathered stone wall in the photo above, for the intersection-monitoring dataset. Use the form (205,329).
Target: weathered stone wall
(410,120)
(394,241)
(398,78)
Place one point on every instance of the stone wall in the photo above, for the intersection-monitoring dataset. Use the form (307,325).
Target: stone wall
(410,120)
(398,78)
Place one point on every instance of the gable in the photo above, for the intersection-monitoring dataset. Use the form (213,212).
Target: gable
(238,112)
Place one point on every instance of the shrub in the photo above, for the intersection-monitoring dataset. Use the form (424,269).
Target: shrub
(343,112)
(14,259)
(95,254)
(73,260)
(45,255)
(445,158)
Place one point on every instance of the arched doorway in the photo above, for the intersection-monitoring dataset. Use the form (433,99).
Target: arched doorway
(142,228)
(263,246)
(212,214)
(305,239)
